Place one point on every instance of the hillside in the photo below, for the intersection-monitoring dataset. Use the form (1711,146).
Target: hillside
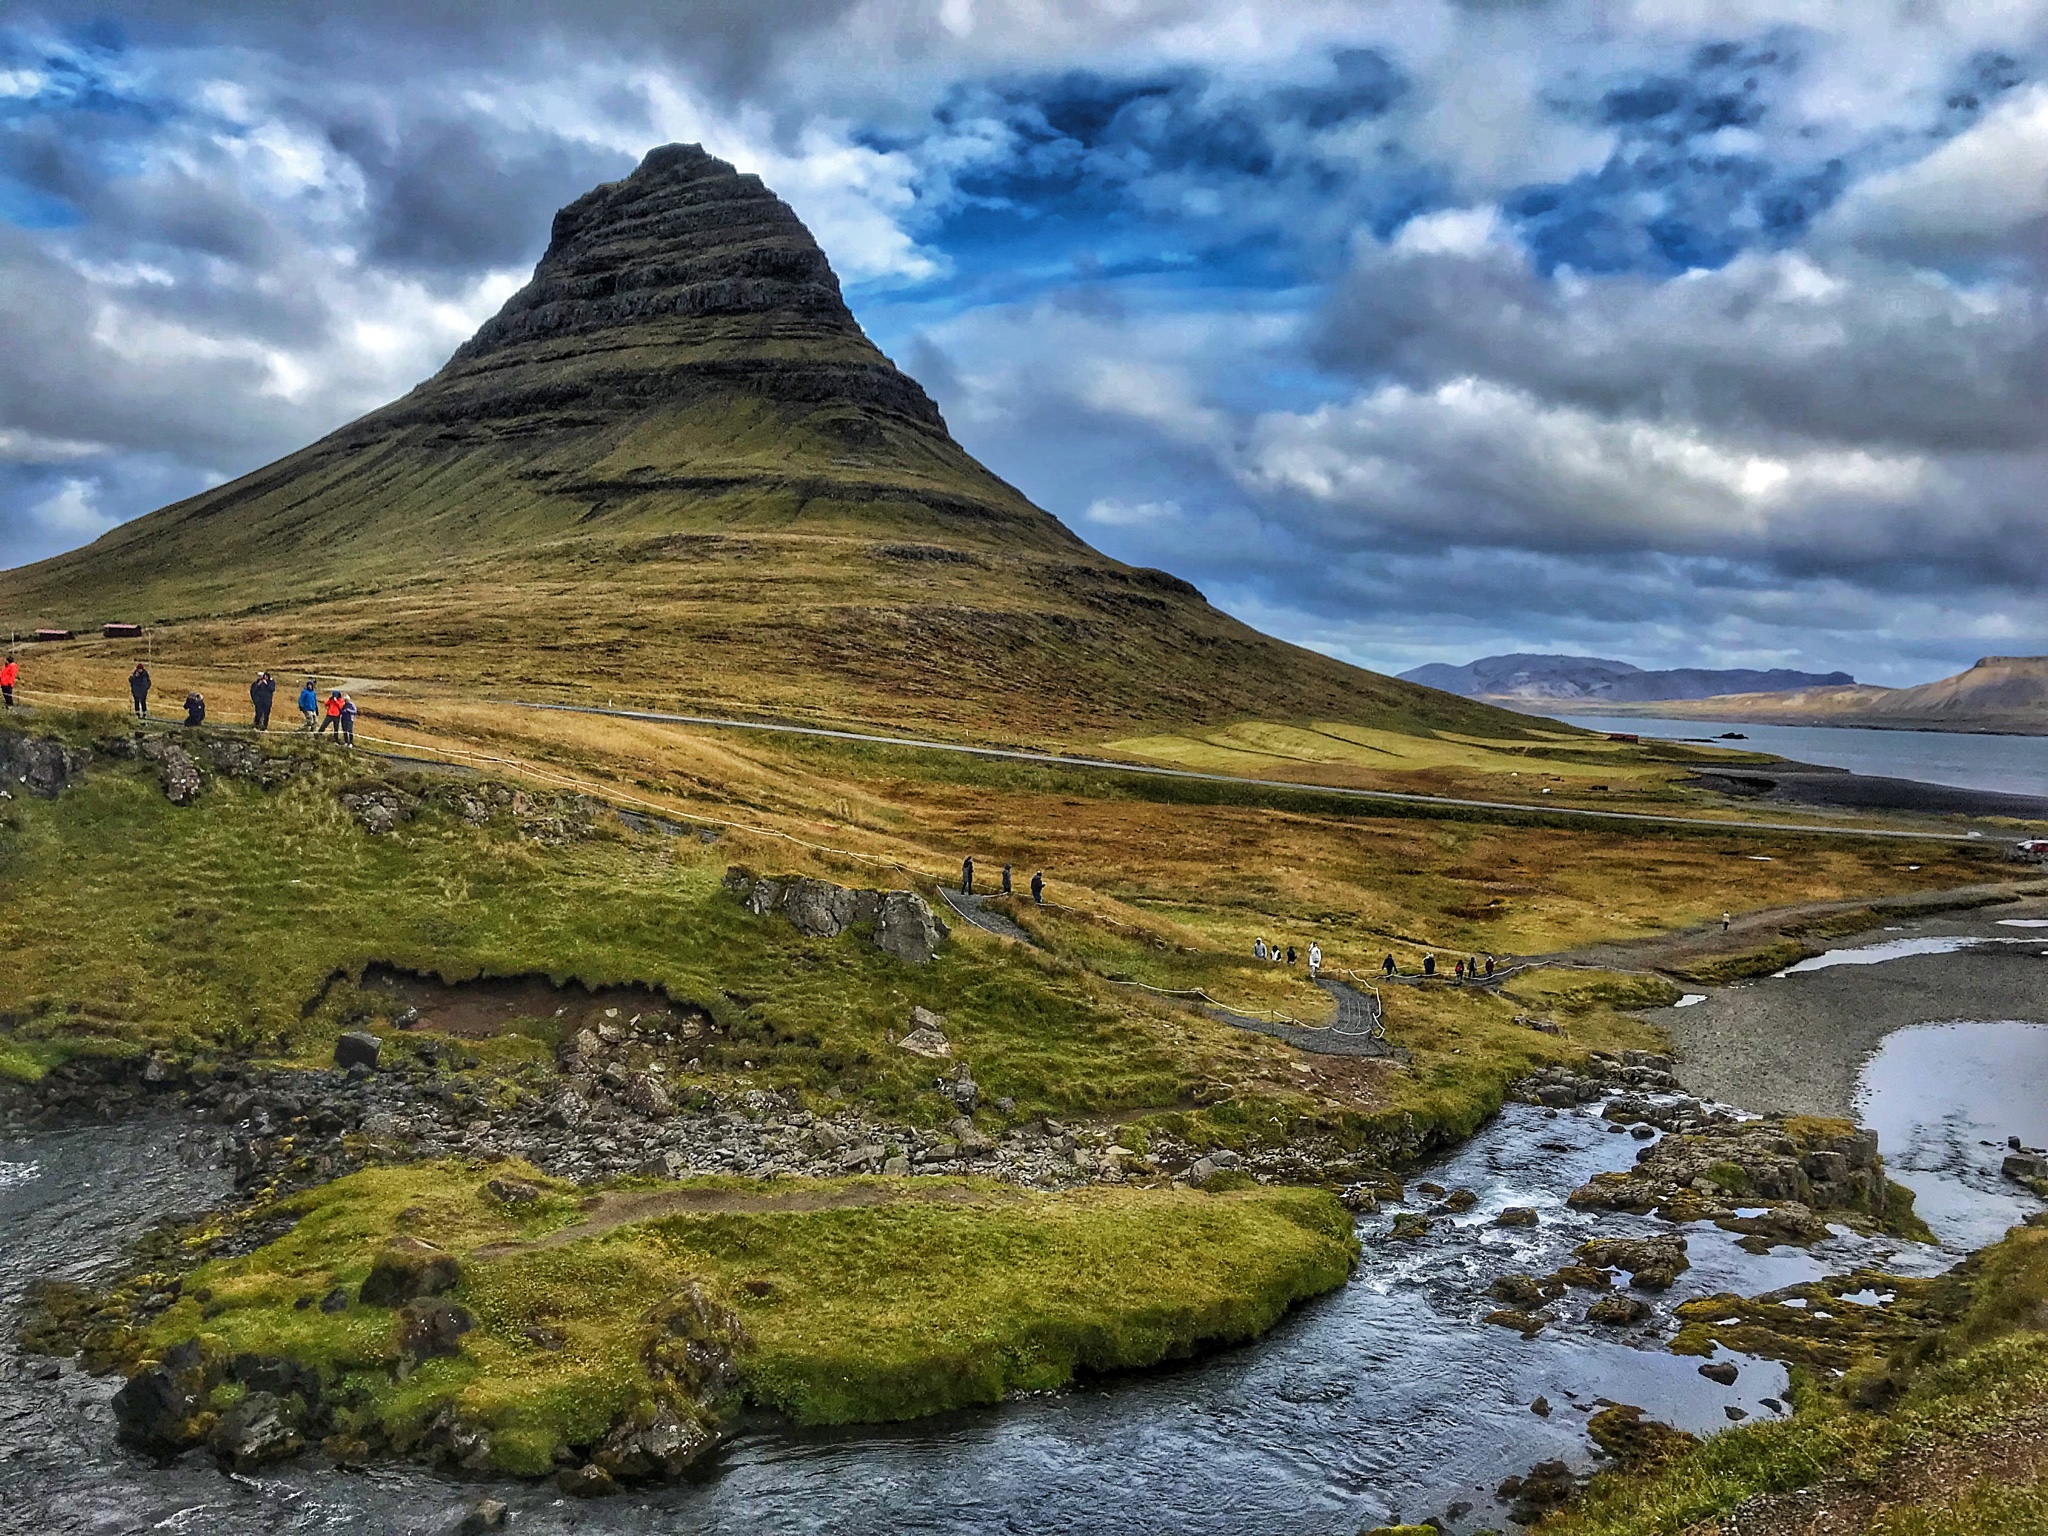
(1575,679)
(673,471)
(1999,693)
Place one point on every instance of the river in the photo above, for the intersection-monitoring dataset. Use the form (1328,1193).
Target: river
(1389,1398)
(2016,765)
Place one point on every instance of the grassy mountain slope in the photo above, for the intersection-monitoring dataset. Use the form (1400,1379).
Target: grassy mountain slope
(673,470)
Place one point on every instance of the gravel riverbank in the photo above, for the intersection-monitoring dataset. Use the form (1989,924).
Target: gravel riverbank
(1796,1043)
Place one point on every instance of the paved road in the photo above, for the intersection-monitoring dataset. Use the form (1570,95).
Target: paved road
(1109,765)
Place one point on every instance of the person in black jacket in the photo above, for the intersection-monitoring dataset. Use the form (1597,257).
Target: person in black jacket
(195,708)
(967,877)
(1038,889)
(138,690)
(259,698)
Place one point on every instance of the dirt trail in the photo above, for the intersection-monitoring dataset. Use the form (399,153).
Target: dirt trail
(1748,931)
(622,1208)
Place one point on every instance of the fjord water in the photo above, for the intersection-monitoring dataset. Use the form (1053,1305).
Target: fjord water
(2014,765)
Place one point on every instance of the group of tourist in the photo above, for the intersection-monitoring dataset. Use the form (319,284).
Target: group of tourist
(1274,953)
(1465,970)
(967,881)
(338,714)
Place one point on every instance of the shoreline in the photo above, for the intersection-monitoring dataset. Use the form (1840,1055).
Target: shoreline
(1798,1043)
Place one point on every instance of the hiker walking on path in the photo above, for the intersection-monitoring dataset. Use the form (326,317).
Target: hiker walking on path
(138,690)
(347,718)
(260,693)
(330,718)
(1315,959)
(1290,954)
(967,876)
(1006,879)
(309,707)
(195,708)
(1387,966)
(1038,889)
(1459,970)
(9,673)
(1429,965)
(1258,949)
(1489,967)
(1725,921)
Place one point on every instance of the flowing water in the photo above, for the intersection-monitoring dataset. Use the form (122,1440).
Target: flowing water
(1388,1398)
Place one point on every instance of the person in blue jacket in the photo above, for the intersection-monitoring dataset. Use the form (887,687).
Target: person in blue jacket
(309,706)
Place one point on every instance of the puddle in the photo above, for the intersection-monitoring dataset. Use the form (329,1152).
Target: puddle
(1936,1094)
(531,1005)
(1894,949)
(1690,999)
(2023,922)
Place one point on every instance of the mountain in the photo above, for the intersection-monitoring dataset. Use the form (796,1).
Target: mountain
(673,471)
(1999,693)
(1574,679)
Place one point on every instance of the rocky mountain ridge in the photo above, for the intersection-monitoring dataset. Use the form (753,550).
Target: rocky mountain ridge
(1543,678)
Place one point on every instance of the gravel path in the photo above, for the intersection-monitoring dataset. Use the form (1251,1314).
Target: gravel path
(969,909)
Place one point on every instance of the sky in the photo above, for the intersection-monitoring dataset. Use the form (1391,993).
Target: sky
(1685,332)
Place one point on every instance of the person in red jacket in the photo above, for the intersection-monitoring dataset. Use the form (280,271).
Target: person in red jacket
(8,673)
(331,716)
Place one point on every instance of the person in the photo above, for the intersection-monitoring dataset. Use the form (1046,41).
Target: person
(195,708)
(1290,954)
(1387,966)
(1429,965)
(347,717)
(1725,920)
(309,707)
(260,693)
(1006,879)
(1489,967)
(1038,889)
(330,718)
(9,673)
(138,690)
(1459,970)
(1258,949)
(1315,959)
(967,876)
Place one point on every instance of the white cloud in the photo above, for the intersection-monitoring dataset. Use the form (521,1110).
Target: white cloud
(1111,513)
(72,512)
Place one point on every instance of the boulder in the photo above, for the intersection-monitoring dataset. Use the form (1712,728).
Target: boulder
(41,766)
(357,1049)
(1723,1371)
(181,778)
(431,1328)
(159,1407)
(1409,1225)
(378,808)
(1653,1263)
(665,1448)
(906,927)
(259,1429)
(925,1042)
(818,908)
(514,1192)
(646,1096)
(1516,1216)
(1517,1291)
(1619,1311)
(484,1515)
(569,1110)
(406,1269)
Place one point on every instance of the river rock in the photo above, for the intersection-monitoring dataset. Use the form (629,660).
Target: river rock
(1653,1263)
(406,1269)
(1518,1291)
(1410,1225)
(1620,1311)
(1516,1216)
(665,1448)
(484,1515)
(357,1049)
(1528,1324)
(158,1409)
(431,1328)
(1549,1485)
(1723,1371)
(1635,1441)
(259,1429)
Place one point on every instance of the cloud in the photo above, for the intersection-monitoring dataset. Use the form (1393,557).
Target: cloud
(1528,326)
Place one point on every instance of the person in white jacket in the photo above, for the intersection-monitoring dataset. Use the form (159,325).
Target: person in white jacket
(1315,959)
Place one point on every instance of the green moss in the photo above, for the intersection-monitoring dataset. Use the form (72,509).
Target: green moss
(860,1300)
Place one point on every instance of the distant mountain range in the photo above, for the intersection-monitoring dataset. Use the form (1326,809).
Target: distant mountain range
(1593,679)
(1999,693)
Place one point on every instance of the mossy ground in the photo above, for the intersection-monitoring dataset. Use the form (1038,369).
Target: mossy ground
(861,1300)
(1954,1444)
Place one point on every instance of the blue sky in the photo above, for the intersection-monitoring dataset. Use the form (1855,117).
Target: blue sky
(1686,335)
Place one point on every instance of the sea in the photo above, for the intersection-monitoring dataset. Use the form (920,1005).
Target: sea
(2016,765)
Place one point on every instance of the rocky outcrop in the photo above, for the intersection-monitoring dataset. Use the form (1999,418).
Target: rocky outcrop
(1788,1171)
(902,922)
(38,764)
(406,1269)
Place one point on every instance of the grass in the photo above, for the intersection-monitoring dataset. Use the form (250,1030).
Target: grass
(1958,1435)
(924,1296)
